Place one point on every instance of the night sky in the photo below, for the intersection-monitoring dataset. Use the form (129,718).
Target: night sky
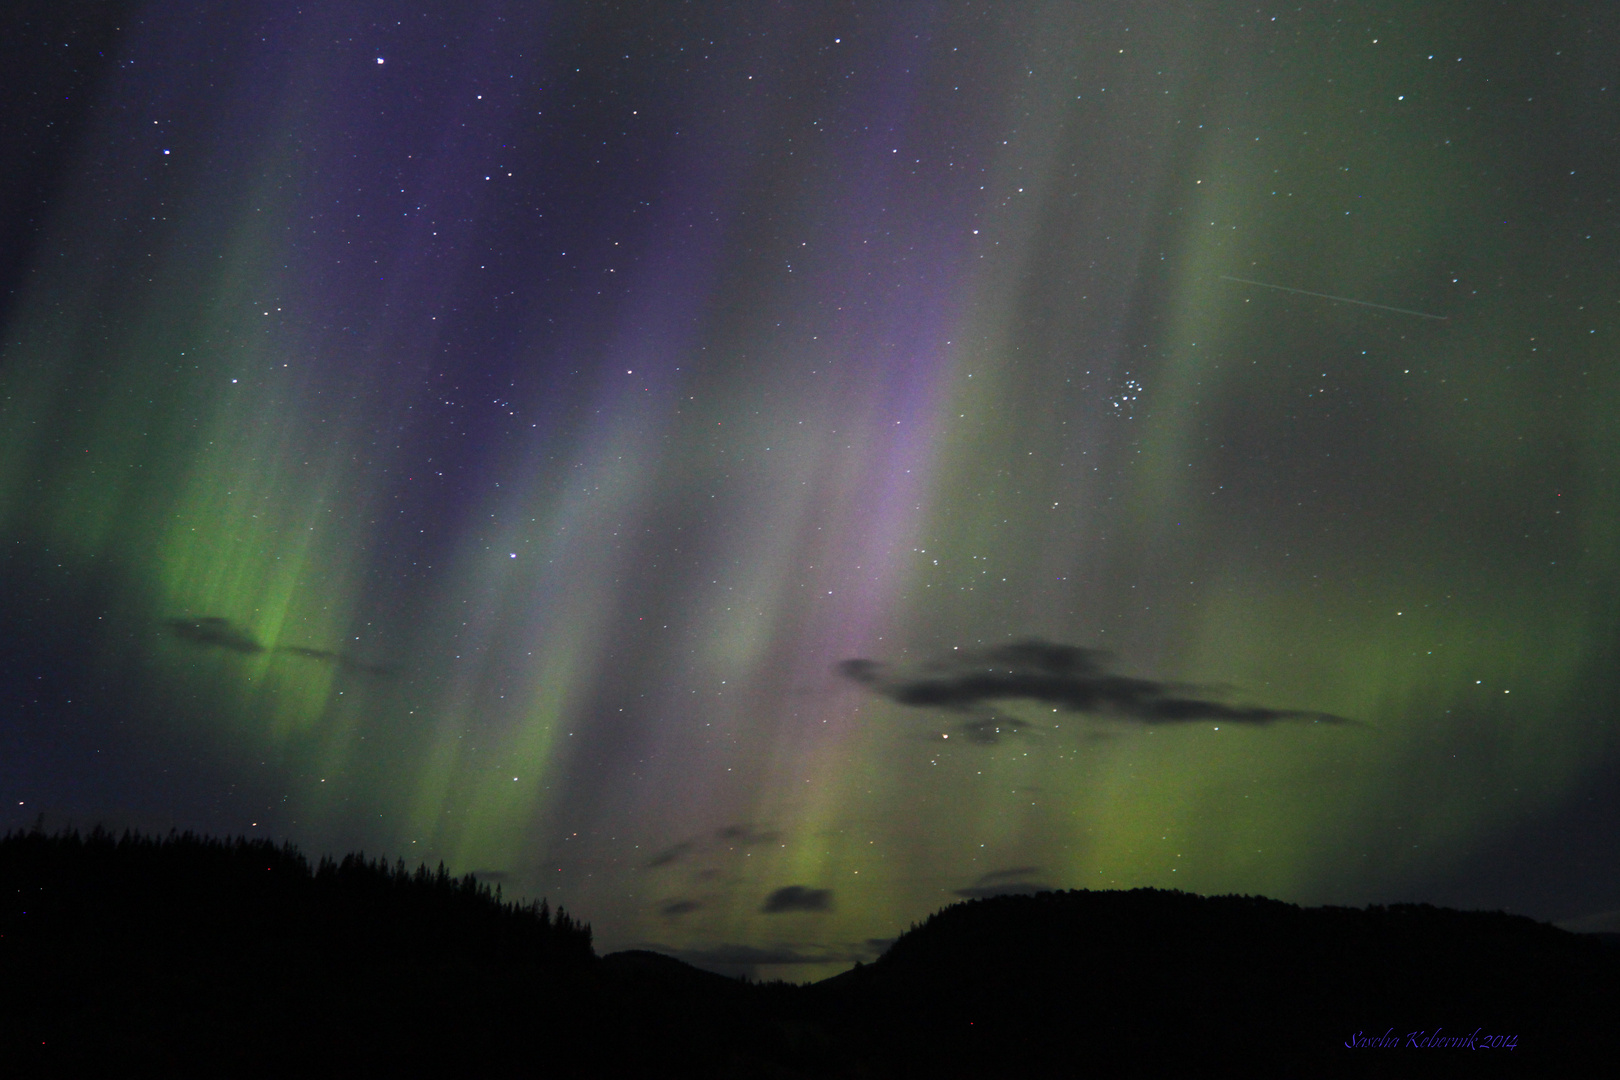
(756,473)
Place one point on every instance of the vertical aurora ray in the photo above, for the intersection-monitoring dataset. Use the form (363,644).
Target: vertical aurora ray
(548,400)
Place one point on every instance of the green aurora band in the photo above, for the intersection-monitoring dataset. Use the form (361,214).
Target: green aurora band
(544,505)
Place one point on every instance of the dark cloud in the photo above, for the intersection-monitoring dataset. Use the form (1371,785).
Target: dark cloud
(495,876)
(1005,888)
(675,908)
(672,854)
(1012,873)
(216,632)
(1013,881)
(797,898)
(731,836)
(1065,676)
(342,660)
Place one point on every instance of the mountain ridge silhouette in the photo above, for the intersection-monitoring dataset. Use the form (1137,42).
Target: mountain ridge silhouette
(185,954)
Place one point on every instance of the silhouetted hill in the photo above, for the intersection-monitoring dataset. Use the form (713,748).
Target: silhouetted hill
(190,956)
(1150,982)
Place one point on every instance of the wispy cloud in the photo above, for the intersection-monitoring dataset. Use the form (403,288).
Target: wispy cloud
(672,909)
(672,854)
(1013,881)
(797,898)
(212,631)
(725,838)
(1062,676)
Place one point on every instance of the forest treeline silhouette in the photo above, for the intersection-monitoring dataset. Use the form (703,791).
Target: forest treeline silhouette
(185,951)
(188,955)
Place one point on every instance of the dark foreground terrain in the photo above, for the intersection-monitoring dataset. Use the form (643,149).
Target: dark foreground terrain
(187,956)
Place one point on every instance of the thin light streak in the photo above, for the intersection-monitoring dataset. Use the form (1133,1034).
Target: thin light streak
(1340,299)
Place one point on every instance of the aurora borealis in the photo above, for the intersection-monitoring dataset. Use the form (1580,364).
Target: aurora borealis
(480,433)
